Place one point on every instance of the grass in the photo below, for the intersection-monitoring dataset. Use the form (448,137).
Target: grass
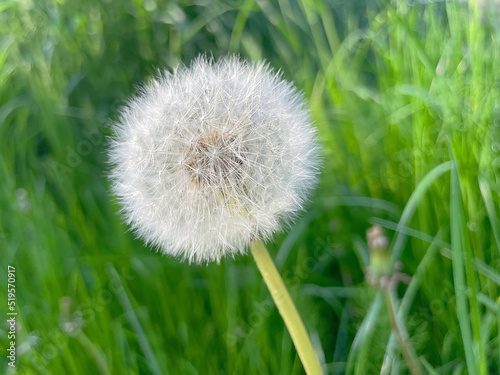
(406,97)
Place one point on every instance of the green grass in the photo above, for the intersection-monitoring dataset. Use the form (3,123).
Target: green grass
(407,103)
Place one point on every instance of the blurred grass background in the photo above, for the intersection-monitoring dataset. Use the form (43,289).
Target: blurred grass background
(406,97)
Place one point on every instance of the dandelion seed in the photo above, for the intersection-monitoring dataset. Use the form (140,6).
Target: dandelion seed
(212,156)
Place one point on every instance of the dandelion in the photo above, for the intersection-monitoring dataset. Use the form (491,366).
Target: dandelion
(383,272)
(215,158)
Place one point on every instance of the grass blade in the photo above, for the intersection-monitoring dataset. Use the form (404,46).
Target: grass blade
(413,202)
(457,244)
(490,208)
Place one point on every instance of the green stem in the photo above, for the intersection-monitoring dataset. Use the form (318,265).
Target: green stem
(286,308)
(401,334)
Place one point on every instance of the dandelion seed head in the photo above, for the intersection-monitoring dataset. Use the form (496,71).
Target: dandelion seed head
(211,156)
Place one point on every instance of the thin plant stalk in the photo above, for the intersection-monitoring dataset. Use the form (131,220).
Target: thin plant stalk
(401,334)
(286,308)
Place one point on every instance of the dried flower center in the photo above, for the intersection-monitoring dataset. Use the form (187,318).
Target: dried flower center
(215,160)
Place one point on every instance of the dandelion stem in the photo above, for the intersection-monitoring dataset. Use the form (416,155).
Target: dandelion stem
(401,334)
(286,308)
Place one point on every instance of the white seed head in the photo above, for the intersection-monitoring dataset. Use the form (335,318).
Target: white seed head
(212,156)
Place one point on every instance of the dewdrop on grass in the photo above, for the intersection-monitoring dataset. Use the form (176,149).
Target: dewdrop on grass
(209,157)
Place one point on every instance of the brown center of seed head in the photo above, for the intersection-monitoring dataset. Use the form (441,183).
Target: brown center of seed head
(215,159)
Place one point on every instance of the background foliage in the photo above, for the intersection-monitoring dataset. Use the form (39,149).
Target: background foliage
(406,98)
